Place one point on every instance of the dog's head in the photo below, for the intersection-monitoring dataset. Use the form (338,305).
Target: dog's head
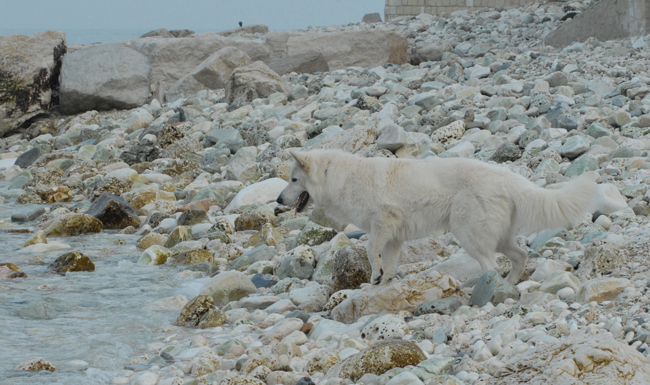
(297,192)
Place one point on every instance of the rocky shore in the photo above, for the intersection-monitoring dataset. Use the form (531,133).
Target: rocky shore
(144,244)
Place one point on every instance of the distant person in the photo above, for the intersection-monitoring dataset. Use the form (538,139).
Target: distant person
(241,24)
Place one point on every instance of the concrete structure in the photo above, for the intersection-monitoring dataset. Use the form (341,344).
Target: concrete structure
(605,20)
(396,8)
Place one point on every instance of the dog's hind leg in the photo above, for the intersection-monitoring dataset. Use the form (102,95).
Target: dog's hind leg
(390,259)
(517,256)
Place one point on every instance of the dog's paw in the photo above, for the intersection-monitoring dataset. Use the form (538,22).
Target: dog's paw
(377,279)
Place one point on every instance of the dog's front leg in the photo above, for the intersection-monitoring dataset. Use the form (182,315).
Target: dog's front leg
(374,249)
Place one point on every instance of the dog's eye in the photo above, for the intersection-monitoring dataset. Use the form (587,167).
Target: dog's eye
(294,179)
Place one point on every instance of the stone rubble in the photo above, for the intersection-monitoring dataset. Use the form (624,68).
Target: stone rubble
(285,298)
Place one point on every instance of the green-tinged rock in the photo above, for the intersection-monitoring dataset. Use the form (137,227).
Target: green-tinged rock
(192,257)
(581,165)
(212,318)
(194,310)
(73,261)
(492,288)
(314,235)
(295,266)
(73,224)
(254,219)
(178,235)
(597,130)
(260,253)
(378,359)
(192,217)
(434,366)
(37,237)
(350,268)
(559,280)
(154,255)
(268,235)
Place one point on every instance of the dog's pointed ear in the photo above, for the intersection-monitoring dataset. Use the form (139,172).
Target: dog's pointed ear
(301,158)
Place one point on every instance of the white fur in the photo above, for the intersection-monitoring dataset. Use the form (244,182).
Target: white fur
(395,200)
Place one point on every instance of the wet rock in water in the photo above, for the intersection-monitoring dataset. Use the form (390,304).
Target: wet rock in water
(36,364)
(492,288)
(73,261)
(378,359)
(27,214)
(350,269)
(212,318)
(195,309)
(154,255)
(192,257)
(178,235)
(152,239)
(228,286)
(114,212)
(72,225)
(37,237)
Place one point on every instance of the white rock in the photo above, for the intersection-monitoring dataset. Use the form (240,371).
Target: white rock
(405,378)
(262,192)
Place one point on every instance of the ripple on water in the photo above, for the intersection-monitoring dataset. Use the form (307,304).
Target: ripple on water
(96,317)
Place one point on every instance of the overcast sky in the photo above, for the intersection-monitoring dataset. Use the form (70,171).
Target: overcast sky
(199,15)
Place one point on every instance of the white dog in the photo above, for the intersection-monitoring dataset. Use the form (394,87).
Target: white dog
(395,200)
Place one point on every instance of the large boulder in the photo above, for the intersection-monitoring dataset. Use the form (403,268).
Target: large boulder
(342,49)
(171,59)
(254,81)
(212,73)
(104,77)
(306,63)
(29,67)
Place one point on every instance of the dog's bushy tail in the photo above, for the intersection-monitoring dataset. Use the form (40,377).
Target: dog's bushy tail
(540,209)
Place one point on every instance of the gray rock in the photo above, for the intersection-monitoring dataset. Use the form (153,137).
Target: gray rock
(213,73)
(192,216)
(252,29)
(104,77)
(581,165)
(307,63)
(260,253)
(229,138)
(506,152)
(295,266)
(625,152)
(392,138)
(29,68)
(492,288)
(597,130)
(426,53)
(557,79)
(300,92)
(371,18)
(253,81)
(27,214)
(446,306)
(350,268)
(161,32)
(574,146)
(28,157)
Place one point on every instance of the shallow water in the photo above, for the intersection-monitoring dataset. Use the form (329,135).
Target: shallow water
(99,317)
